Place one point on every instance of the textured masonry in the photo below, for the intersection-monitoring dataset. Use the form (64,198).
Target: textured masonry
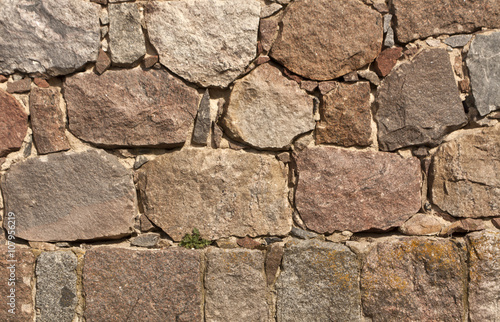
(321,160)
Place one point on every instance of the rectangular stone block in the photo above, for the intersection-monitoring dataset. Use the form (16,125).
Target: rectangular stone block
(484,276)
(142,285)
(319,282)
(414,279)
(235,286)
(16,276)
(56,295)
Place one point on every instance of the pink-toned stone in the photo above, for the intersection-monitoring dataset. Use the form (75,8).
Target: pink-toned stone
(414,279)
(103,62)
(47,121)
(3,79)
(419,19)
(13,124)
(40,82)
(342,190)
(463,226)
(24,262)
(345,116)
(318,42)
(20,86)
(142,285)
(131,107)
(248,242)
(387,60)
(262,60)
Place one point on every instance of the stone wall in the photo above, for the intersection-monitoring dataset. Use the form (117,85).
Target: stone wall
(342,158)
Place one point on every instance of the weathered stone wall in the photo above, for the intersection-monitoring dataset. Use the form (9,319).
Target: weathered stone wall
(341,157)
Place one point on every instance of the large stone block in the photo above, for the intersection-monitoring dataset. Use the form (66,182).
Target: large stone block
(47,121)
(319,282)
(342,190)
(346,115)
(13,124)
(323,39)
(132,107)
(56,297)
(53,37)
(483,62)
(419,19)
(17,265)
(484,276)
(208,42)
(221,192)
(414,279)
(142,285)
(235,286)
(268,110)
(465,174)
(70,196)
(126,40)
(419,102)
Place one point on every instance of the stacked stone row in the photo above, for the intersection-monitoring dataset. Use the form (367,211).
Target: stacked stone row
(264,121)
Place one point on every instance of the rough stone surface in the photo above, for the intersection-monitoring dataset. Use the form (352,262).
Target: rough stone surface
(208,42)
(70,196)
(19,86)
(126,43)
(483,61)
(203,121)
(484,273)
(249,243)
(130,107)
(465,174)
(319,42)
(457,40)
(24,268)
(422,225)
(319,282)
(370,76)
(47,121)
(463,226)
(414,279)
(13,124)
(142,285)
(40,82)
(302,234)
(3,78)
(230,193)
(418,102)
(346,116)
(103,62)
(48,36)
(146,240)
(56,298)
(387,60)
(418,19)
(267,110)
(274,256)
(355,190)
(268,32)
(235,286)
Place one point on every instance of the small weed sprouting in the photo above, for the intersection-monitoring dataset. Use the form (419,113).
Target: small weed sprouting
(194,240)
